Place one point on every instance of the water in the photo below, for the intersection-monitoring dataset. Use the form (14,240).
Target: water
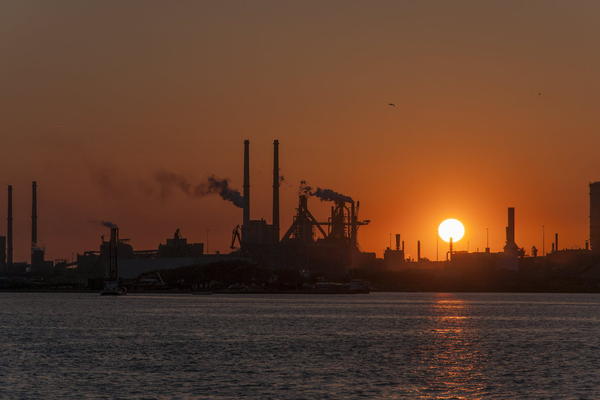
(383,345)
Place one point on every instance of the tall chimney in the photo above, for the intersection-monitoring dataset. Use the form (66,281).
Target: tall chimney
(595,217)
(276,191)
(510,231)
(418,250)
(246,219)
(9,229)
(556,241)
(34,214)
(112,270)
(397,242)
(511,246)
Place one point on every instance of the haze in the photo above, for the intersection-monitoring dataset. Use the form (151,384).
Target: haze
(496,106)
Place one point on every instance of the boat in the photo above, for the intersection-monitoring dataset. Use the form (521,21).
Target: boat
(112,288)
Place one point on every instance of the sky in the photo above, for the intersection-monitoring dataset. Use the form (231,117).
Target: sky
(496,105)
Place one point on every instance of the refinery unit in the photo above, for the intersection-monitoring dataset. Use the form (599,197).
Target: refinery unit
(313,246)
(329,247)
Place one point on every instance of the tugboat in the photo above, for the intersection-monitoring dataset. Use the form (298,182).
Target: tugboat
(111,282)
(111,288)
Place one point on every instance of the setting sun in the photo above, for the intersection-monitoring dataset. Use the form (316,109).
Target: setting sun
(451,228)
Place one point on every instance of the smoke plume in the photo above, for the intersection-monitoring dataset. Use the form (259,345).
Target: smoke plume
(324,194)
(168,181)
(221,186)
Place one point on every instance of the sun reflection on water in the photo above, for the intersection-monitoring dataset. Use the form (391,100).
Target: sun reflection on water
(452,355)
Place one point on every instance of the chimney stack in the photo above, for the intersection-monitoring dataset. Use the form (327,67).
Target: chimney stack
(276,191)
(397,242)
(112,270)
(511,246)
(9,229)
(34,215)
(418,250)
(595,217)
(246,219)
(556,241)
(510,230)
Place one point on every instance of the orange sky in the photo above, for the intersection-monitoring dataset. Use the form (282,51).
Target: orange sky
(96,97)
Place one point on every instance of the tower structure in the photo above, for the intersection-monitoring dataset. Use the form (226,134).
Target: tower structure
(511,246)
(34,214)
(276,191)
(246,210)
(595,217)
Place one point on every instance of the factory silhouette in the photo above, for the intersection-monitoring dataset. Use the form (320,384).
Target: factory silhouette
(309,254)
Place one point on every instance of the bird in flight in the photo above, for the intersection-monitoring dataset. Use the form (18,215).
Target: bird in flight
(391,105)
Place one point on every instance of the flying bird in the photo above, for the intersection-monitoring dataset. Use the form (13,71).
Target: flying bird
(391,105)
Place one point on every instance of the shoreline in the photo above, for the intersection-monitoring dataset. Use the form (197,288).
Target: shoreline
(307,292)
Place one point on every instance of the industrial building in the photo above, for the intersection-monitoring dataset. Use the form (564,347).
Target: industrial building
(329,246)
(174,253)
(38,264)
(395,258)
(316,246)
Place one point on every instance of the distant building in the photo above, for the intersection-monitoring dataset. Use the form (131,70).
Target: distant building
(174,253)
(178,246)
(38,263)
(393,259)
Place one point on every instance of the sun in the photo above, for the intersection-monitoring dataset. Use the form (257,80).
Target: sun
(451,228)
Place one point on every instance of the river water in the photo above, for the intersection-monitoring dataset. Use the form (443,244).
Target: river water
(381,345)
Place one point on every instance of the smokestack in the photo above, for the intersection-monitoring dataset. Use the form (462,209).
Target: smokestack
(397,242)
(112,270)
(9,229)
(511,246)
(418,250)
(595,217)
(556,241)
(510,230)
(246,183)
(276,190)
(34,214)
